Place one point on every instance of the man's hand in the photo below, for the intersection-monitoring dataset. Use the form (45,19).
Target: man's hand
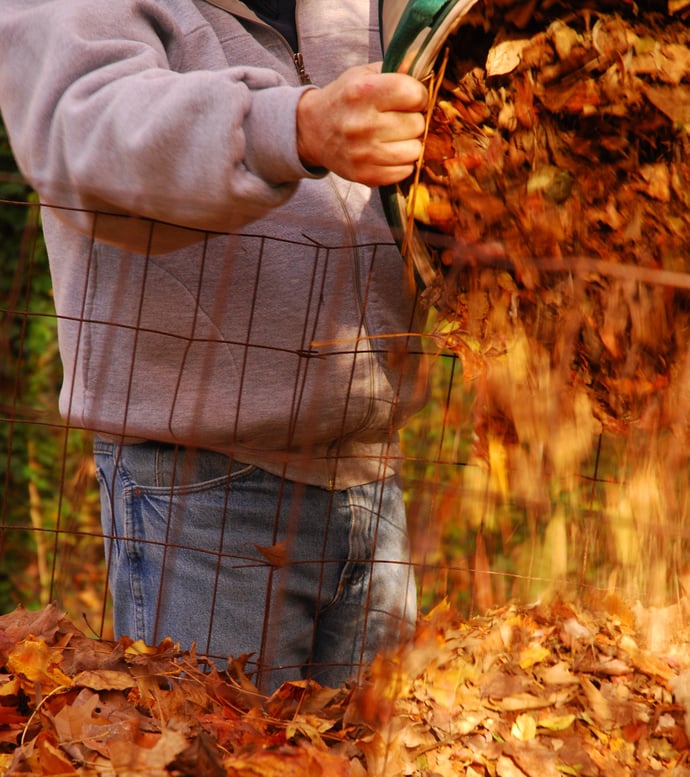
(365,126)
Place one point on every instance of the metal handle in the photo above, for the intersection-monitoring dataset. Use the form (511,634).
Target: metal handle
(405,25)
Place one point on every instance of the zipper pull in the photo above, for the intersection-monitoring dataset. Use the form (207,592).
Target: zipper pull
(298,59)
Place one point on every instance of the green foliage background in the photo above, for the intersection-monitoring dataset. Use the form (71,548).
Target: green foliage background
(14,544)
(48,502)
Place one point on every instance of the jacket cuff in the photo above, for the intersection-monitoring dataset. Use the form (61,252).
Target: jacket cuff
(271,133)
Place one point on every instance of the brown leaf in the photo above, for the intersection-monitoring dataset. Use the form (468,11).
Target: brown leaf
(149,755)
(287,762)
(276,555)
(202,757)
(104,680)
(22,622)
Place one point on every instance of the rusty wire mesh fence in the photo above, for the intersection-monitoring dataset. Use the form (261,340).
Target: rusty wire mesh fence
(474,541)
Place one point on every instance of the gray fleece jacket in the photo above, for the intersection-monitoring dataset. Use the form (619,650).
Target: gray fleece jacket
(210,290)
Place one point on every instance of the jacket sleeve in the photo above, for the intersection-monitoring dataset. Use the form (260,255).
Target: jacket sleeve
(100,120)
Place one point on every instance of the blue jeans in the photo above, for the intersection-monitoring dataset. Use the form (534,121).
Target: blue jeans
(206,550)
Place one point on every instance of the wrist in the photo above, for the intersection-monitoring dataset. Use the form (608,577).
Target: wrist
(307,140)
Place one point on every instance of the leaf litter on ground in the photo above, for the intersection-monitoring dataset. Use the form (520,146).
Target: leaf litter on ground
(557,688)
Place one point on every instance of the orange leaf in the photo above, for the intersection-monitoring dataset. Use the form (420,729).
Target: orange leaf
(276,555)
(36,661)
(483,593)
(51,760)
(288,762)
(140,648)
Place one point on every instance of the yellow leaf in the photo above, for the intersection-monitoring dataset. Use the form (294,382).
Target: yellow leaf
(498,458)
(11,687)
(34,659)
(140,648)
(430,207)
(524,728)
(557,722)
(442,608)
(533,654)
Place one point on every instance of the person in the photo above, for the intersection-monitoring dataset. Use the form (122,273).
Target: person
(235,322)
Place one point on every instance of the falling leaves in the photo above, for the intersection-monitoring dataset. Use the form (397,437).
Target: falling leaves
(561,133)
(553,206)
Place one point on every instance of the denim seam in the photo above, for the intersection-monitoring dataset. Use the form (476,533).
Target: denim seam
(132,547)
(357,568)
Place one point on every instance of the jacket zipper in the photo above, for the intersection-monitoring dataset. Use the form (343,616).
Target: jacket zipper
(243,11)
(298,59)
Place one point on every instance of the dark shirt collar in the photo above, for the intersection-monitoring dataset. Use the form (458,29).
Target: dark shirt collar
(279,14)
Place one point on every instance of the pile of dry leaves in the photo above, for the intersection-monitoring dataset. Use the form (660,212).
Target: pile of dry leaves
(549,690)
(555,198)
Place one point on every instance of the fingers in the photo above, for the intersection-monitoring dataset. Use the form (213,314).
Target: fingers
(399,92)
(396,125)
(365,126)
(387,176)
(382,163)
(382,91)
